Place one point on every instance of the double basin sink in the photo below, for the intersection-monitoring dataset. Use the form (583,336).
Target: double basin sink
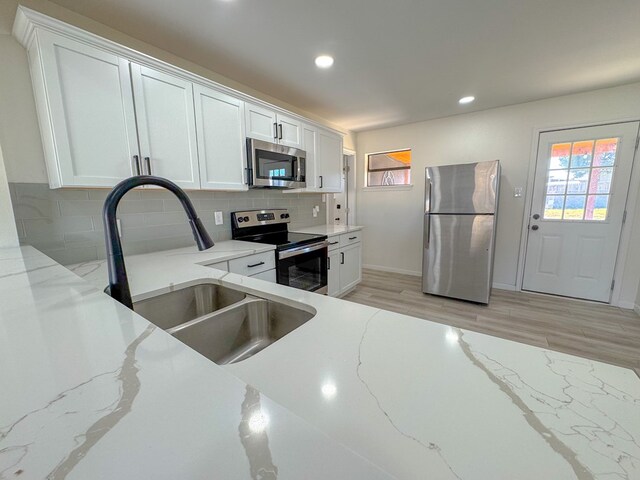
(223,324)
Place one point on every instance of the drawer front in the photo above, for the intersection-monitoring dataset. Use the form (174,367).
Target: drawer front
(252,264)
(224,266)
(334,242)
(350,238)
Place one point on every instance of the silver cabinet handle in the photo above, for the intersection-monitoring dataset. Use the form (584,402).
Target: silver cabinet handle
(147,160)
(255,265)
(136,165)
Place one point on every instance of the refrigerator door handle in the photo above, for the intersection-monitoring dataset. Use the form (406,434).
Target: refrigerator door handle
(427,195)
(427,228)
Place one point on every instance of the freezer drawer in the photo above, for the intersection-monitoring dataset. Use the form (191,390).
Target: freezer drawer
(457,260)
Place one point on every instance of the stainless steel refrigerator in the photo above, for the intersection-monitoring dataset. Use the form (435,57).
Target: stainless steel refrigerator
(461,203)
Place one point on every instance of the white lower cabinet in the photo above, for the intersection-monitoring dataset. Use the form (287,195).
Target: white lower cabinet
(344,266)
(259,265)
(269,275)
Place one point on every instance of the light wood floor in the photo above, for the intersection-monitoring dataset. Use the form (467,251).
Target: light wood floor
(594,331)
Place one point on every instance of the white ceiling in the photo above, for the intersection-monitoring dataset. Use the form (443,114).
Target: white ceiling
(396,61)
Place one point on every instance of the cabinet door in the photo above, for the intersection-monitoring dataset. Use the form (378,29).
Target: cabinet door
(166,126)
(309,141)
(329,161)
(289,131)
(269,275)
(221,144)
(85,109)
(333,273)
(350,267)
(260,123)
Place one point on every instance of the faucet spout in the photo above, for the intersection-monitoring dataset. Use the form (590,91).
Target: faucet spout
(118,281)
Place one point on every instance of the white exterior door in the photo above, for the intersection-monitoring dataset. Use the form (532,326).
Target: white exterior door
(221,144)
(166,126)
(581,184)
(261,123)
(89,124)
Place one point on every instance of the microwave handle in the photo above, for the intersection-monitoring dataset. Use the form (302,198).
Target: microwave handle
(249,168)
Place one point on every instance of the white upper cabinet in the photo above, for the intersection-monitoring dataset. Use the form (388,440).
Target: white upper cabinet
(265,124)
(329,161)
(261,123)
(289,131)
(85,110)
(107,112)
(221,139)
(166,126)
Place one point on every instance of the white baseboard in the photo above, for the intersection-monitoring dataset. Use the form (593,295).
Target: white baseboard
(504,286)
(381,268)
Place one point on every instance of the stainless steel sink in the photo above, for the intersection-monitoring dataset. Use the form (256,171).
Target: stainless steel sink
(223,324)
(241,330)
(177,307)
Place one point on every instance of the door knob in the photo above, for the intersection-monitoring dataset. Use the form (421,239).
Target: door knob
(534,227)
(536,216)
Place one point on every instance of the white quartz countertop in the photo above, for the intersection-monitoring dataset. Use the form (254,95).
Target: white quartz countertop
(418,399)
(329,230)
(90,390)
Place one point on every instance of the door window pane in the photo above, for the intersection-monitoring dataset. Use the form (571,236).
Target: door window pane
(553,206)
(557,182)
(560,154)
(601,180)
(578,179)
(576,169)
(596,207)
(581,154)
(605,154)
(574,207)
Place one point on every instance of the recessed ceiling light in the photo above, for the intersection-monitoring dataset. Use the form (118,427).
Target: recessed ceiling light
(324,61)
(465,100)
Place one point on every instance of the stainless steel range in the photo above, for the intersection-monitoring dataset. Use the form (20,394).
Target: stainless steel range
(301,258)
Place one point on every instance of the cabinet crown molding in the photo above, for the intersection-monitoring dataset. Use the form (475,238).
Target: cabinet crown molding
(27,22)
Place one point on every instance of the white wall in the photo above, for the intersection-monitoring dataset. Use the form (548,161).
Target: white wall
(393,219)
(8,233)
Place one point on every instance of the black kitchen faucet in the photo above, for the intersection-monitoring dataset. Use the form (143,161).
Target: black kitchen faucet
(118,283)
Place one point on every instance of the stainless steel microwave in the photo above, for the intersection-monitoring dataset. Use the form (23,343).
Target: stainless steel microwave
(275,166)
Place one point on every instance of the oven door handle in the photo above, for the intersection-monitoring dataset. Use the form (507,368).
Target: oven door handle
(302,250)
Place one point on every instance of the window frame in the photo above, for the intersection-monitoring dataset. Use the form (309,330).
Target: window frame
(403,186)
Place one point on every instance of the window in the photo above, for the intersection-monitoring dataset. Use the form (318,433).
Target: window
(579,180)
(389,168)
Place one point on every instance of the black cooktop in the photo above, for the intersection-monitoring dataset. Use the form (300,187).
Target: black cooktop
(284,240)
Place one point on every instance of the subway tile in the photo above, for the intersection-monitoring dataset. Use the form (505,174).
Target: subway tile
(86,238)
(140,206)
(51,242)
(42,227)
(100,194)
(164,218)
(168,243)
(80,207)
(155,232)
(127,220)
(32,207)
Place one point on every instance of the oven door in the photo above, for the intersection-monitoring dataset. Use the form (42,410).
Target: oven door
(304,267)
(275,166)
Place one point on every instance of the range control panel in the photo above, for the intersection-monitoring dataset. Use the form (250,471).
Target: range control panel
(253,218)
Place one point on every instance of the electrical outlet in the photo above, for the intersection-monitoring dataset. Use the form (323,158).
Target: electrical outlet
(218,218)
(314,212)
(517,192)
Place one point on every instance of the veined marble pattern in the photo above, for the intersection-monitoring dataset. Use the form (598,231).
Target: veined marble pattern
(91,390)
(424,400)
